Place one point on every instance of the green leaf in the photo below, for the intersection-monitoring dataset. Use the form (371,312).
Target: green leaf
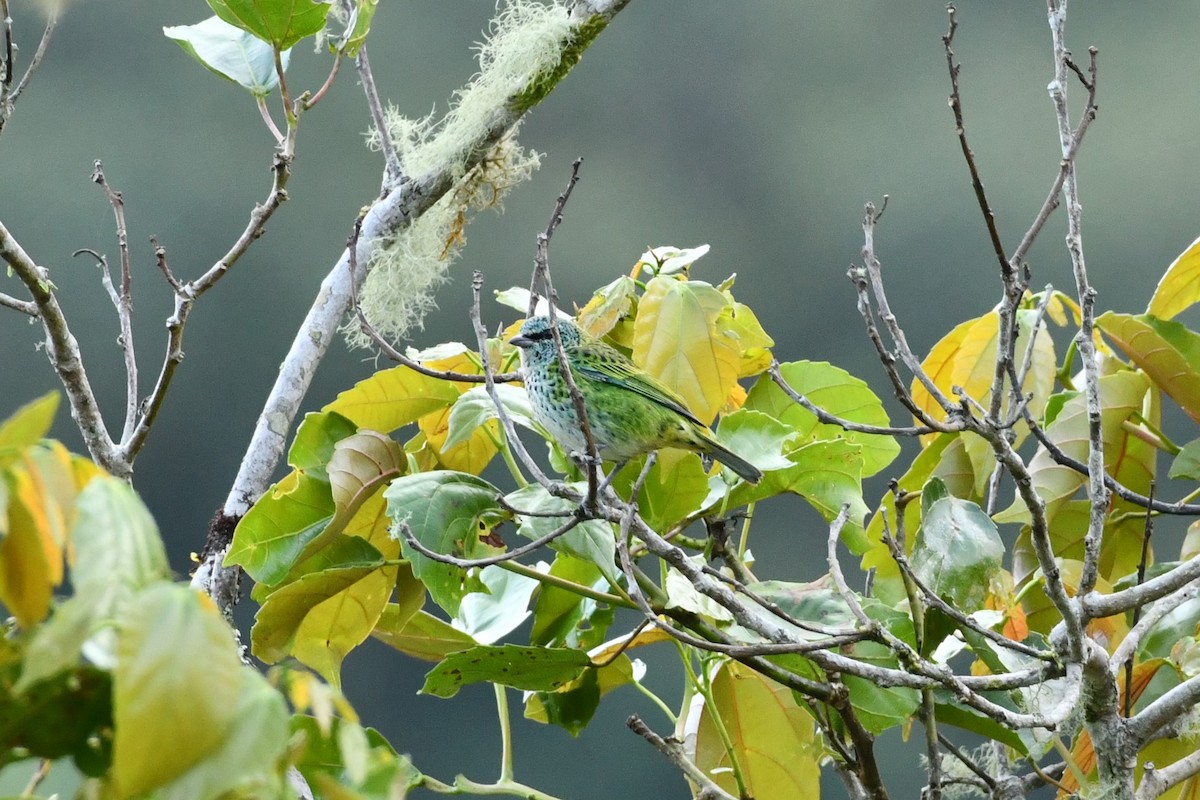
(313,445)
(958,549)
(171,642)
(27,425)
(1186,465)
(570,708)
(420,635)
(759,438)
(564,618)
(529,668)
(1166,351)
(449,513)
(889,586)
(826,474)
(1121,395)
(835,391)
(609,304)
(676,487)
(230,52)
(362,16)
(321,616)
(488,616)
(277,529)
(281,23)
(950,711)
(1178,624)
(670,260)
(682,593)
(475,407)
(118,552)
(772,736)
(67,714)
(255,739)
(591,541)
(880,708)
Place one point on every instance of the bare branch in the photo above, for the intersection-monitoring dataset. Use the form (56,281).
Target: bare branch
(985,207)
(1157,782)
(64,354)
(1170,706)
(123,299)
(829,419)
(393,173)
(27,307)
(38,55)
(1097,491)
(392,213)
(186,295)
(1125,651)
(674,751)
(508,555)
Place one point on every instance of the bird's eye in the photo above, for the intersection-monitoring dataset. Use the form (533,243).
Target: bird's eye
(538,336)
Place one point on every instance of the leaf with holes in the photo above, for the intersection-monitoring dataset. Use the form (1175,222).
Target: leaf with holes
(537,669)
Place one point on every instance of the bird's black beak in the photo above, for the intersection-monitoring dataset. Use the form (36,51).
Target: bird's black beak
(520,341)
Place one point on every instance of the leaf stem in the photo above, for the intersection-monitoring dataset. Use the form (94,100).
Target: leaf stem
(562,583)
(506,749)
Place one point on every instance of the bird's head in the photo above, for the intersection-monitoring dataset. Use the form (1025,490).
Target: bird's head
(537,340)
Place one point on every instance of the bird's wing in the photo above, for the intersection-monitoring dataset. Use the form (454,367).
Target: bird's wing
(601,363)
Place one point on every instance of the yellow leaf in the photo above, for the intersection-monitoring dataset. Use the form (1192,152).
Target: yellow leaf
(772,737)
(939,366)
(753,342)
(27,425)
(607,306)
(1180,285)
(31,551)
(471,455)
(677,341)
(336,626)
(393,398)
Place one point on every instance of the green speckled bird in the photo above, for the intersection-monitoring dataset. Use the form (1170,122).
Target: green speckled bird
(629,412)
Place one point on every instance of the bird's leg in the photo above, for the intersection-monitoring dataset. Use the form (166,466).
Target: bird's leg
(587,463)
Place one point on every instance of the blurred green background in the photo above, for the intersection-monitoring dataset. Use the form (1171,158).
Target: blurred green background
(759,128)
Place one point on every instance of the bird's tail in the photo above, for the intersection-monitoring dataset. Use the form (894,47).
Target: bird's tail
(741,466)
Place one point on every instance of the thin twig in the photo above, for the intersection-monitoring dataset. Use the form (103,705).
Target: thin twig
(187,294)
(393,173)
(829,419)
(675,753)
(160,260)
(123,300)
(469,563)
(38,55)
(541,273)
(1085,340)
(967,761)
(985,207)
(1147,532)
(506,423)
